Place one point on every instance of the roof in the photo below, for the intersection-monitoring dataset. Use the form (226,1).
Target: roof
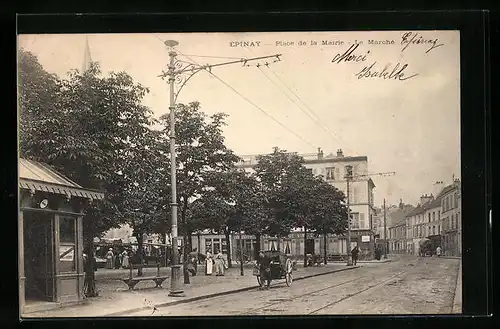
(434,203)
(37,176)
(447,189)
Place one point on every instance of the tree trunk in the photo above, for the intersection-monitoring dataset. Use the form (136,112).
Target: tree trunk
(228,245)
(185,245)
(199,242)
(257,246)
(90,289)
(325,254)
(305,244)
(140,252)
(278,243)
(185,253)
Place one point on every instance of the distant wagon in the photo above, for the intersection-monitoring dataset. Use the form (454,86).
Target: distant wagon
(281,267)
(426,247)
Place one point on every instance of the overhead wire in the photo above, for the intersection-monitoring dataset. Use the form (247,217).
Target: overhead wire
(316,118)
(249,101)
(313,116)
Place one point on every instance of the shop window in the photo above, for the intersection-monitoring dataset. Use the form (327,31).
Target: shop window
(67,239)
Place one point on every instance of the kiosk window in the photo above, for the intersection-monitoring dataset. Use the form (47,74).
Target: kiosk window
(67,238)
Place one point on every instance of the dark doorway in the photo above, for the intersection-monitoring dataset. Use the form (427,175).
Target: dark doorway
(310,246)
(38,256)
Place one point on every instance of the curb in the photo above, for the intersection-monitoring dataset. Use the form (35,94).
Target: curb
(229,292)
(367,261)
(457,298)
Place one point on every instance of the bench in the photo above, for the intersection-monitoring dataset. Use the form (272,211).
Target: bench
(336,258)
(132,282)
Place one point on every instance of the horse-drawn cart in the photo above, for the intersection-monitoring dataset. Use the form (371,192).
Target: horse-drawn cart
(281,267)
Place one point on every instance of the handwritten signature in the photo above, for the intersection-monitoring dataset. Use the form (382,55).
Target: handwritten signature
(413,38)
(397,72)
(389,71)
(350,56)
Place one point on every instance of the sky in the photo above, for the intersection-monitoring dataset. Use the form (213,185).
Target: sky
(312,97)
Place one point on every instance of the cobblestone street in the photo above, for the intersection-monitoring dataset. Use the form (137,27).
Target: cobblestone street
(408,286)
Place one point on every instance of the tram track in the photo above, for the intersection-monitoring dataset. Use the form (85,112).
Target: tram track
(359,292)
(302,295)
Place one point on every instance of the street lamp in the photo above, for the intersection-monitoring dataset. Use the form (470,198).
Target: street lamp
(348,177)
(175,286)
(179,72)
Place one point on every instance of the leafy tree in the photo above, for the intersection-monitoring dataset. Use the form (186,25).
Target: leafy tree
(82,126)
(329,214)
(232,187)
(256,215)
(145,176)
(200,150)
(281,175)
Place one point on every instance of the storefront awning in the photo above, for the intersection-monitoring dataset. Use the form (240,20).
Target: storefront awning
(36,176)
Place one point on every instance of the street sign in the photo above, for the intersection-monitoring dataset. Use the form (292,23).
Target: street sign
(365,238)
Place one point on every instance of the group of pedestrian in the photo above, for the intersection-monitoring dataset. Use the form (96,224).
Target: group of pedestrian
(218,263)
(120,260)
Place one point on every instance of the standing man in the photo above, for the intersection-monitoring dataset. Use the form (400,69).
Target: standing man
(193,258)
(354,254)
(265,269)
(438,251)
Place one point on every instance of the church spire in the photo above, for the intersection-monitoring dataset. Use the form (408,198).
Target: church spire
(87,59)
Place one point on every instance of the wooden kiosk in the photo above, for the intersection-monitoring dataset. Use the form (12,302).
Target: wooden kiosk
(50,235)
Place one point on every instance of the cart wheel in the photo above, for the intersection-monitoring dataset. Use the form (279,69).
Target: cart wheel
(288,274)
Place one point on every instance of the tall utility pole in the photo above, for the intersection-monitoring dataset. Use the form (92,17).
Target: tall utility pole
(349,177)
(241,255)
(386,243)
(180,72)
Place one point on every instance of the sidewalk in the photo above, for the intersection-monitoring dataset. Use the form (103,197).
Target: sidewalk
(120,303)
(457,300)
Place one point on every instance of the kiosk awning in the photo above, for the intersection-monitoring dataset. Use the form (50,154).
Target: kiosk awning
(36,176)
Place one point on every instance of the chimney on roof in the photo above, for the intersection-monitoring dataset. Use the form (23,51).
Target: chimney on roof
(340,153)
(426,198)
(320,153)
(438,187)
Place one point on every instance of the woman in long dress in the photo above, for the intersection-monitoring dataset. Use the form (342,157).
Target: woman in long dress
(219,264)
(109,259)
(125,259)
(209,262)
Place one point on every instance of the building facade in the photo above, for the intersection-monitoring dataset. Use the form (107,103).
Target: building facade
(438,219)
(451,205)
(397,238)
(293,245)
(333,168)
(416,224)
